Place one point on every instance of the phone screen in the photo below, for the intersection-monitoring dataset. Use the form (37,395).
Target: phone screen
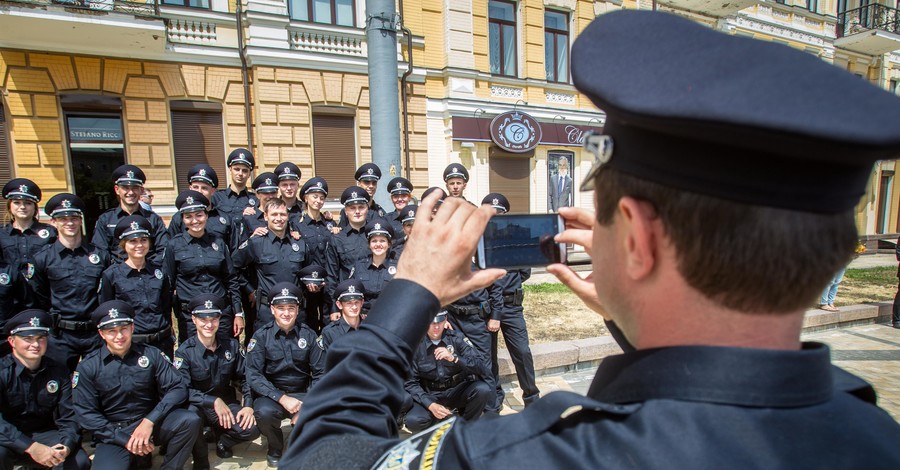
(521,241)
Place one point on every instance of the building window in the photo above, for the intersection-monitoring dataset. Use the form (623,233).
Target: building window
(892,86)
(336,12)
(188,3)
(5,163)
(812,5)
(334,145)
(198,136)
(556,46)
(502,33)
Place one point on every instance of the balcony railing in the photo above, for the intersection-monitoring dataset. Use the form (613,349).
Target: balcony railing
(148,8)
(873,16)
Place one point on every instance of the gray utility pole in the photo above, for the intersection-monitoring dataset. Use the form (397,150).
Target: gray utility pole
(384,104)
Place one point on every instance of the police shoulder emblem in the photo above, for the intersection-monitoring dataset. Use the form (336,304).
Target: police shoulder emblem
(228,356)
(301,343)
(4,279)
(177,362)
(223,220)
(451,349)
(29,271)
(243,245)
(252,202)
(320,343)
(381,212)
(295,247)
(467,341)
(419,451)
(251,345)
(392,270)
(52,386)
(215,246)
(158,273)
(75,380)
(44,233)
(144,361)
(94,259)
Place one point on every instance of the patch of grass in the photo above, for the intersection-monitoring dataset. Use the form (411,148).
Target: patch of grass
(867,285)
(546,288)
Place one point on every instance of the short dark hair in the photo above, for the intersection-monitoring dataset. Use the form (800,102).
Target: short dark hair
(748,258)
(274,202)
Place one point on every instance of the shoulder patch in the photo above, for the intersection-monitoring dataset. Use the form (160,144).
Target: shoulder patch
(320,343)
(467,341)
(251,345)
(29,271)
(177,362)
(244,245)
(418,451)
(75,380)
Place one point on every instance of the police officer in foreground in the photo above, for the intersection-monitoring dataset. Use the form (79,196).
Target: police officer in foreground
(131,398)
(366,176)
(129,186)
(350,244)
(37,420)
(350,305)
(282,363)
(237,200)
(65,278)
(25,235)
(447,378)
(213,368)
(512,322)
(714,159)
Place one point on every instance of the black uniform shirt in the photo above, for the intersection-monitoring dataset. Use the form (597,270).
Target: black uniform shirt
(35,401)
(202,265)
(396,219)
(280,363)
(373,278)
(375,210)
(249,223)
(332,332)
(272,259)
(218,223)
(20,246)
(105,239)
(232,204)
(112,392)
(212,374)
(66,282)
(510,286)
(426,368)
(345,249)
(148,291)
(14,294)
(317,234)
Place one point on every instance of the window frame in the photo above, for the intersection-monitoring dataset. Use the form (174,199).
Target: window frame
(311,13)
(185,4)
(515,32)
(556,36)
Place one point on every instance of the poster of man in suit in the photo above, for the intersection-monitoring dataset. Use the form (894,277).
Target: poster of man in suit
(559,190)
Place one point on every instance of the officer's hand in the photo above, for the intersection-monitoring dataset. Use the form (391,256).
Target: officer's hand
(139,443)
(313,287)
(249,211)
(327,215)
(579,230)
(260,232)
(439,411)
(245,418)
(226,418)
(450,236)
(238,326)
(442,354)
(61,450)
(43,455)
(334,316)
(291,404)
(295,234)
(493,326)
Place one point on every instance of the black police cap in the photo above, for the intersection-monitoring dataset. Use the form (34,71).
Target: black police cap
(191,201)
(313,274)
(735,118)
(379,226)
(315,185)
(355,195)
(64,205)
(368,172)
(456,170)
(409,214)
(497,201)
(266,183)
(288,171)
(22,188)
(31,322)
(112,313)
(128,175)
(206,305)
(285,293)
(440,317)
(203,173)
(400,185)
(349,289)
(241,156)
(133,226)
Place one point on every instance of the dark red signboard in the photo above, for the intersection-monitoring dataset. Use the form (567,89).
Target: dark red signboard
(479,130)
(515,132)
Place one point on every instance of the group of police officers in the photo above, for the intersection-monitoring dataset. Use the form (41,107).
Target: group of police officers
(267,262)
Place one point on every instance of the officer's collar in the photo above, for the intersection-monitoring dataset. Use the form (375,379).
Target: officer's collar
(346,326)
(106,355)
(730,376)
(20,368)
(229,191)
(60,248)
(295,330)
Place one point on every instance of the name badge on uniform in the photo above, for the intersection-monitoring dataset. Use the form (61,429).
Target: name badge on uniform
(251,345)
(44,233)
(301,343)
(215,246)
(177,362)
(158,274)
(228,355)
(52,386)
(295,247)
(144,361)
(392,270)
(223,220)
(4,279)
(94,259)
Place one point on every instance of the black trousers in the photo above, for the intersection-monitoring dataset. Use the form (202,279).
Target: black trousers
(229,437)
(468,398)
(178,431)
(68,347)
(269,414)
(77,459)
(895,317)
(515,335)
(475,328)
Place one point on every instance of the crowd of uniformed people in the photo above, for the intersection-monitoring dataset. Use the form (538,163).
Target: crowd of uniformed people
(212,330)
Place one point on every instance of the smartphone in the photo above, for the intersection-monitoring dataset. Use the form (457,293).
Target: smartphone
(513,241)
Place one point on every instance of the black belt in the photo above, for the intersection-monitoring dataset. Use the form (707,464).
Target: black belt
(441,385)
(467,310)
(152,337)
(72,325)
(125,424)
(515,299)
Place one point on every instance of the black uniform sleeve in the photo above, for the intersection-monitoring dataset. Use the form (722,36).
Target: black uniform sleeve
(176,226)
(472,360)
(107,286)
(160,238)
(101,239)
(87,408)
(232,283)
(66,422)
(363,392)
(38,283)
(172,388)
(240,375)
(316,359)
(183,359)
(413,386)
(12,438)
(332,272)
(255,366)
(526,274)
(495,294)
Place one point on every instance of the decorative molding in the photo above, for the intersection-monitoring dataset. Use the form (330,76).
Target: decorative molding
(560,98)
(782,31)
(327,42)
(190,32)
(507,92)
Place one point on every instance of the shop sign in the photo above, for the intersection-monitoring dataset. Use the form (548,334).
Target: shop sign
(515,132)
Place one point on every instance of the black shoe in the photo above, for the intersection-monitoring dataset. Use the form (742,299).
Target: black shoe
(201,465)
(223,452)
(272,461)
(208,435)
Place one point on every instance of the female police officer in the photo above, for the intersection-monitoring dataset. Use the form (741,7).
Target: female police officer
(24,235)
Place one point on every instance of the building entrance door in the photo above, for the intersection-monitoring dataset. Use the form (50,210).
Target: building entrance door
(96,148)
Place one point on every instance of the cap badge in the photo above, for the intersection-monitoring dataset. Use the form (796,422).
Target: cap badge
(202,172)
(144,361)
(353,194)
(158,274)
(371,171)
(315,274)
(268,180)
(399,185)
(129,174)
(35,322)
(189,199)
(285,291)
(208,304)
(67,204)
(94,259)
(52,386)
(495,202)
(44,233)
(135,225)
(351,289)
(411,213)
(301,343)
(228,355)
(377,226)
(113,313)
(4,279)
(286,171)
(318,184)
(454,170)
(23,188)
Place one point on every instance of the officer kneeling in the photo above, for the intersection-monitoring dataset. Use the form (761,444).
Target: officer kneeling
(213,367)
(131,397)
(37,421)
(282,363)
(447,374)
